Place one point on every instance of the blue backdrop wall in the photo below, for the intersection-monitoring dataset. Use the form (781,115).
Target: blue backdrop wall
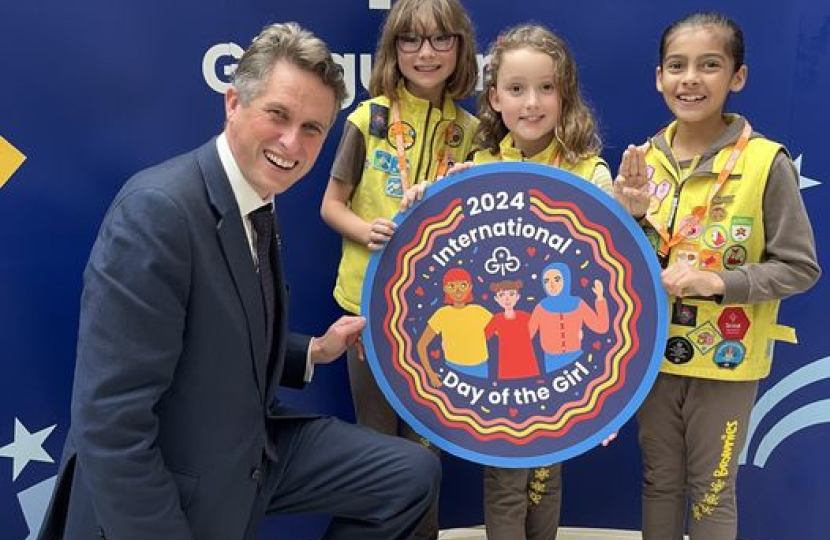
(91,92)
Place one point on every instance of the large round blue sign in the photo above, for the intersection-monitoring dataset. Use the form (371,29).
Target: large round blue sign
(516,317)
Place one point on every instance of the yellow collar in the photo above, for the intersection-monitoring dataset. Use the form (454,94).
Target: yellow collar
(510,153)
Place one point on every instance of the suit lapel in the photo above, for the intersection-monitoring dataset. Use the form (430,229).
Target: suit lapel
(234,245)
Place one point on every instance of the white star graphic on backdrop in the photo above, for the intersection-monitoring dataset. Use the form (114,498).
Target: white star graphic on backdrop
(803,181)
(33,502)
(26,447)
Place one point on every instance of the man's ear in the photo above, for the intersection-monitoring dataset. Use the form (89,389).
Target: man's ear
(231,102)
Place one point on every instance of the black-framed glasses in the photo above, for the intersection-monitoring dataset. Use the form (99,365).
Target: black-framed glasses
(411,43)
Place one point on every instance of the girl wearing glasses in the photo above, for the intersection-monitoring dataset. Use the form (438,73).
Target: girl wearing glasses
(411,130)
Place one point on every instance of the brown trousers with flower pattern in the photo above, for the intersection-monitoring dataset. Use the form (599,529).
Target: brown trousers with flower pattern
(692,432)
(522,504)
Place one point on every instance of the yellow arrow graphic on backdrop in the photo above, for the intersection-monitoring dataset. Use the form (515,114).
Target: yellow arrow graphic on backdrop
(10,160)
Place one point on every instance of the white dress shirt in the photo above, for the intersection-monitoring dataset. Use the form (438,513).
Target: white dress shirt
(248,200)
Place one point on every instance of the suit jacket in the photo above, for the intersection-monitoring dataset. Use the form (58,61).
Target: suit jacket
(171,406)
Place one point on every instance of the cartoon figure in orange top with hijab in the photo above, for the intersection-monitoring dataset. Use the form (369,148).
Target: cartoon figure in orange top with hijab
(559,318)
(461,327)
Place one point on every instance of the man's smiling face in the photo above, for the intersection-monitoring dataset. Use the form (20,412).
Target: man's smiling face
(277,137)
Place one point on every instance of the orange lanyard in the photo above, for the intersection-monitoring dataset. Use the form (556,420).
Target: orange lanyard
(668,241)
(398,128)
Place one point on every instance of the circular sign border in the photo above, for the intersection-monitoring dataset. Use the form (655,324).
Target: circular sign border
(661,318)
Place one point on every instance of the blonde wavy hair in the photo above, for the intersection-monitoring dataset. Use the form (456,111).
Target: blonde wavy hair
(576,131)
(415,16)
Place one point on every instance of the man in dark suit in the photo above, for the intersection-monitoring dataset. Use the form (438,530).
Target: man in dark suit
(176,430)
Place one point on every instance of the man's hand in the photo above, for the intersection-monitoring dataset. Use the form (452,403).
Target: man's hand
(631,184)
(340,335)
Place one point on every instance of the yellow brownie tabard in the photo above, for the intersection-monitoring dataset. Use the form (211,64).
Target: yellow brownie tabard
(428,132)
(549,156)
(708,339)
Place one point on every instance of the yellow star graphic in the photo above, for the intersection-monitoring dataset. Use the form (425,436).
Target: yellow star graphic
(10,160)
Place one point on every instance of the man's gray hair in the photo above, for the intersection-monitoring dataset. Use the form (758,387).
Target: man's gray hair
(294,44)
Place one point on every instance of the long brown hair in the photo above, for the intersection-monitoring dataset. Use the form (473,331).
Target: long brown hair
(414,16)
(576,131)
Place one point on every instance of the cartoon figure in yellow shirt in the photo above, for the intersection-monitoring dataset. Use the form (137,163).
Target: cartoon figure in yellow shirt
(461,326)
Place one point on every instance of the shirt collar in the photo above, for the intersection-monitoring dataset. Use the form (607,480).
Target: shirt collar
(246,198)
(411,103)
(735,125)
(509,152)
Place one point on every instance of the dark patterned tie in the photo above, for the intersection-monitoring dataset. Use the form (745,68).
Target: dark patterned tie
(262,220)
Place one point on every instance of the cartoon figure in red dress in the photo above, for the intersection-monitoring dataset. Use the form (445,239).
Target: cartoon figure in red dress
(516,359)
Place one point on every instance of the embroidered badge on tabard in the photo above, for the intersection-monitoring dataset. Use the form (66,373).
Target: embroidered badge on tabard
(408,132)
(717,213)
(394,188)
(704,338)
(516,318)
(715,236)
(378,120)
(687,253)
(679,350)
(733,323)
(710,260)
(729,354)
(741,228)
(734,256)
(684,314)
(691,226)
(456,136)
(657,192)
(386,162)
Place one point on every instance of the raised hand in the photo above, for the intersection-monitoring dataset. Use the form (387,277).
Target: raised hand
(631,184)
(599,289)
